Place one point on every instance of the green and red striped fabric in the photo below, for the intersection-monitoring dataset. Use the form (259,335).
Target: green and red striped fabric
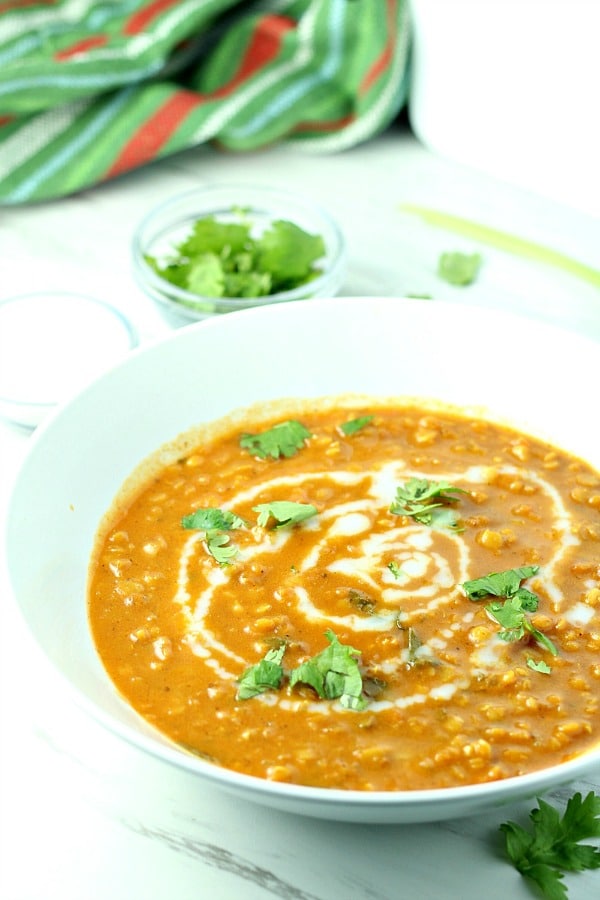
(89,90)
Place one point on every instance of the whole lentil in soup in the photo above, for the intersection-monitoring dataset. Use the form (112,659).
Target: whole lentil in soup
(293,599)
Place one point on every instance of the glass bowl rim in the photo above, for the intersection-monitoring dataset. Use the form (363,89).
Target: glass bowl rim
(124,321)
(187,302)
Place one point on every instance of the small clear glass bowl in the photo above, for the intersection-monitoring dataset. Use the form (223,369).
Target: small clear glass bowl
(52,344)
(171,222)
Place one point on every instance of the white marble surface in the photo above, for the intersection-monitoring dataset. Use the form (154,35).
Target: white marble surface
(83,816)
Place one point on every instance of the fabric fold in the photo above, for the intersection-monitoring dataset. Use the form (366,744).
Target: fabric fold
(89,91)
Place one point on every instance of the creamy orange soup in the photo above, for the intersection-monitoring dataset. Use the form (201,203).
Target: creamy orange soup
(305,602)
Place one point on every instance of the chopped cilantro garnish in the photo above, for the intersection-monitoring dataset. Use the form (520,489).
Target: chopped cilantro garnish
(459,268)
(220,547)
(288,254)
(417,653)
(414,642)
(499,584)
(333,674)
(210,517)
(539,666)
(512,616)
(395,569)
(553,846)
(285,512)
(265,675)
(205,276)
(210,236)
(247,284)
(425,501)
(284,439)
(518,601)
(373,687)
(361,601)
(215,523)
(354,425)
(224,259)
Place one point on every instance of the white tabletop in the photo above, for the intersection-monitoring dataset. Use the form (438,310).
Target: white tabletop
(84,816)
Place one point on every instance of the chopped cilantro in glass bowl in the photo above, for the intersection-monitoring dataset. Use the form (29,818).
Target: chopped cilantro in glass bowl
(223,248)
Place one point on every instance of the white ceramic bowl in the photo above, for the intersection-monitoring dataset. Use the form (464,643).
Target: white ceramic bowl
(535,375)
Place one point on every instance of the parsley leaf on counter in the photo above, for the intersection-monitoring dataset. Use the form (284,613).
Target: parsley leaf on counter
(284,439)
(285,512)
(424,500)
(264,676)
(215,523)
(354,425)
(554,847)
(223,259)
(333,674)
(459,268)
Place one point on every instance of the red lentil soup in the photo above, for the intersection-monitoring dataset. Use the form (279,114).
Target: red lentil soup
(305,598)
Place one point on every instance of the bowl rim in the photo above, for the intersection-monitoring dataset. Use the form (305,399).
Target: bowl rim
(321,801)
(187,302)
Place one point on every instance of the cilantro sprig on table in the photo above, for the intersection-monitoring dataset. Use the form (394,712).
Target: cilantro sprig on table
(427,502)
(511,611)
(459,268)
(553,847)
(224,259)
(509,243)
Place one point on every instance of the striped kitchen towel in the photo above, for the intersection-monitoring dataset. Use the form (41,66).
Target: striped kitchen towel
(89,90)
